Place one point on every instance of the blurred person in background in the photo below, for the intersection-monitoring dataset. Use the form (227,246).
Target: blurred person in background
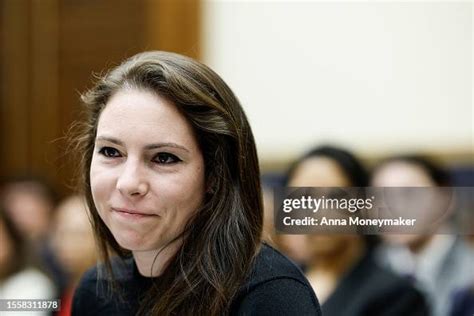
(30,201)
(291,245)
(20,278)
(72,240)
(440,265)
(344,275)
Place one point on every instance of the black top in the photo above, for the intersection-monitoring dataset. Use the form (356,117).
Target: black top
(368,289)
(275,287)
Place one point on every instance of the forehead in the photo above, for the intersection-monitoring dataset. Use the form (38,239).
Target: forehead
(143,116)
(402,174)
(319,171)
(72,212)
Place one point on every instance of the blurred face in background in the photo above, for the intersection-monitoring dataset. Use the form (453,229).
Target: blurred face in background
(402,174)
(29,209)
(147,170)
(72,236)
(318,172)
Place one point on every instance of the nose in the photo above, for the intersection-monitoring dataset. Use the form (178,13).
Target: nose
(132,180)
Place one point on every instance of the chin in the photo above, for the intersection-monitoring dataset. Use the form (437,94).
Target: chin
(130,241)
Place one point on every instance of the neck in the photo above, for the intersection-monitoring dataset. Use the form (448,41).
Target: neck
(419,244)
(337,263)
(152,263)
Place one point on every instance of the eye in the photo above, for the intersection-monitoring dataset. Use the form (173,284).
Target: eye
(166,158)
(109,152)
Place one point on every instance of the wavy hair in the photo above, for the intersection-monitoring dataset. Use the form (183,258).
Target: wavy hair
(222,239)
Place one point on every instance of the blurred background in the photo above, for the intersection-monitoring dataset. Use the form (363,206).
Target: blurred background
(377,78)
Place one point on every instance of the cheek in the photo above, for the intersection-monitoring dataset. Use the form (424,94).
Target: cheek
(102,184)
(194,185)
(179,199)
(182,196)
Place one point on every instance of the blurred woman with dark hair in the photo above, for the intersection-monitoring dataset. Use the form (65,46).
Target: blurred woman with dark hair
(341,268)
(29,201)
(20,278)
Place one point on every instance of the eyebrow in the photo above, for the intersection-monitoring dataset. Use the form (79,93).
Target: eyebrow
(147,147)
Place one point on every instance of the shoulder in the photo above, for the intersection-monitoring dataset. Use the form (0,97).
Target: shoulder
(94,294)
(379,281)
(19,285)
(121,268)
(371,289)
(270,264)
(401,294)
(459,260)
(88,293)
(275,287)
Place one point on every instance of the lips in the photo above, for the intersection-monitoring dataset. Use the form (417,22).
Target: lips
(131,212)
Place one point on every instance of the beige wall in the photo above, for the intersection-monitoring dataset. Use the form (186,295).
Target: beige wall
(376,77)
(49,50)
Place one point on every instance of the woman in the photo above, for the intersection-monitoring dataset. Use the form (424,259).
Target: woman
(340,267)
(20,276)
(171,178)
(29,201)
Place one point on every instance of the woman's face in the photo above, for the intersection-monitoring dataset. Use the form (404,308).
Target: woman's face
(147,170)
(72,237)
(320,171)
(401,174)
(404,174)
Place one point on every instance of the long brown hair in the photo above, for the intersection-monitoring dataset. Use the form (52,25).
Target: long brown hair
(222,239)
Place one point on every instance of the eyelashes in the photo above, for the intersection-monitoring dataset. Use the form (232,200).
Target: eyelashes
(162,158)
(165,158)
(109,152)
